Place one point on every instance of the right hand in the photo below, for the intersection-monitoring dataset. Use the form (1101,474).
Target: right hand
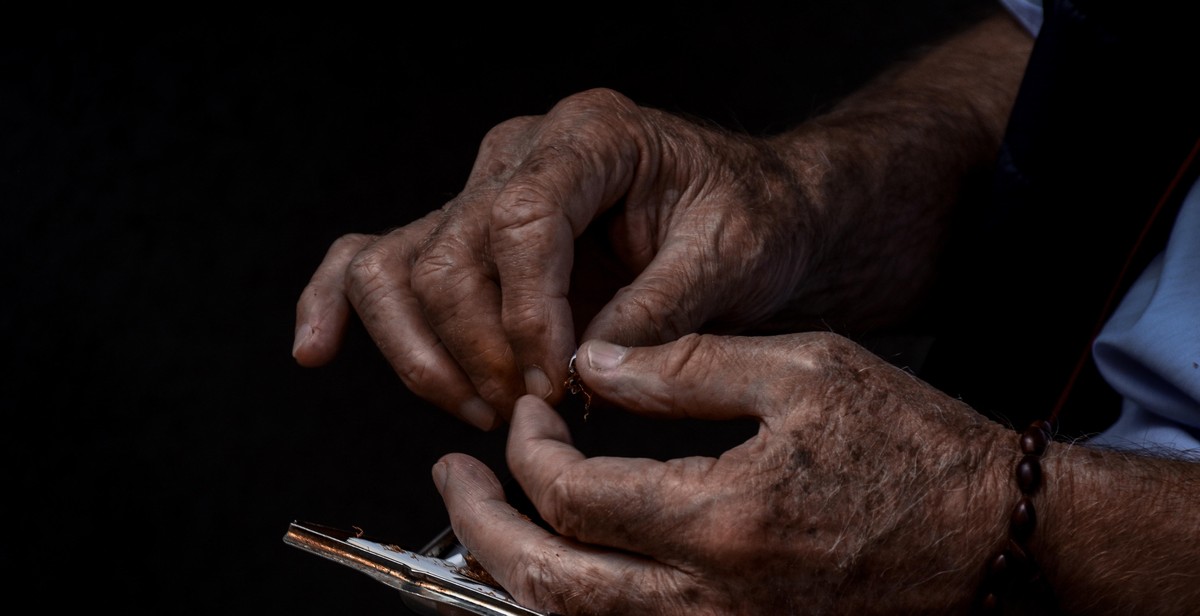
(864,490)
(472,304)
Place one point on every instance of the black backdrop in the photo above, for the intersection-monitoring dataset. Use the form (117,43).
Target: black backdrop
(168,184)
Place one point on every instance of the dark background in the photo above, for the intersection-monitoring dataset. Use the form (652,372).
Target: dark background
(168,185)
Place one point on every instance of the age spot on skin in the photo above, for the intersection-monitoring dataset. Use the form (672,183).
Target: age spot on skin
(801,458)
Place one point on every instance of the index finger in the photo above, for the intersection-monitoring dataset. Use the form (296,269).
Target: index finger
(322,312)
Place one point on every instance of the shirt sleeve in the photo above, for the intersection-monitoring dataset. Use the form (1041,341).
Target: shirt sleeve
(1149,350)
(1028,12)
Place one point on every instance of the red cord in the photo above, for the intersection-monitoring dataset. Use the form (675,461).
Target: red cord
(1112,296)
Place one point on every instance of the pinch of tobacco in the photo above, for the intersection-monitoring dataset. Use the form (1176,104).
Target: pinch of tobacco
(574,385)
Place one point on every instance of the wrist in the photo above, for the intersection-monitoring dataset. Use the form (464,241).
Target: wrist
(874,227)
(883,170)
(1119,531)
(965,523)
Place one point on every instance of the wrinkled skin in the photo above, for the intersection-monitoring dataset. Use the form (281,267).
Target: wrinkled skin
(605,220)
(707,220)
(864,490)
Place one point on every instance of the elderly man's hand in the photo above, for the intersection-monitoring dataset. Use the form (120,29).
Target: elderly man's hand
(864,490)
(470,304)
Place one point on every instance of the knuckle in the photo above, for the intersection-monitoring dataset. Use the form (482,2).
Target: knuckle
(413,368)
(504,132)
(524,207)
(516,316)
(438,274)
(528,318)
(368,274)
(557,505)
(350,242)
(596,99)
(535,579)
(821,346)
(503,147)
(657,309)
(368,263)
(827,355)
(684,356)
(493,372)
(431,267)
(544,578)
(501,136)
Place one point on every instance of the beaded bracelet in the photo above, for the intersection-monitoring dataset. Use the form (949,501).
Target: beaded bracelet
(1012,568)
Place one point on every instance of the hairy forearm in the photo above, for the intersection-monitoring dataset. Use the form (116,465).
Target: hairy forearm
(886,166)
(1119,533)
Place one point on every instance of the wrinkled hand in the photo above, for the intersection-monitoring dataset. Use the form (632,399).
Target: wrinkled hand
(471,304)
(864,490)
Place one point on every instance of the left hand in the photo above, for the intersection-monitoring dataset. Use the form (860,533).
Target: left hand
(864,491)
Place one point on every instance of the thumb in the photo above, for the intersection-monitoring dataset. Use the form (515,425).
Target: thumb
(668,299)
(698,376)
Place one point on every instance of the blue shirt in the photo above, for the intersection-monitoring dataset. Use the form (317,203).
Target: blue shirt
(1149,349)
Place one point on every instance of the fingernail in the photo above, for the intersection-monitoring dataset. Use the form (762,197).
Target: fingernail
(303,333)
(537,383)
(478,413)
(439,473)
(605,355)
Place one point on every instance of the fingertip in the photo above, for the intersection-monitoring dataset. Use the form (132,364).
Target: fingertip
(313,347)
(537,383)
(525,407)
(477,412)
(321,321)
(440,472)
(450,465)
(300,338)
(600,355)
(528,403)
(300,345)
(534,419)
(461,478)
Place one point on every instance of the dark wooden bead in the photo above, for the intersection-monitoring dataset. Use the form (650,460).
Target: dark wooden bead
(1013,568)
(990,604)
(1023,520)
(998,569)
(1016,558)
(1033,442)
(1029,475)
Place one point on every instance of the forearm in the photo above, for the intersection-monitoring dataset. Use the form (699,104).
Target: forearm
(885,167)
(1119,533)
